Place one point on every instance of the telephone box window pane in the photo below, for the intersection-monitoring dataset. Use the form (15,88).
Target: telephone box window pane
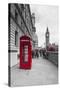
(25,53)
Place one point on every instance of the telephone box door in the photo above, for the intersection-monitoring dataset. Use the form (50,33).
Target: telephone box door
(25,53)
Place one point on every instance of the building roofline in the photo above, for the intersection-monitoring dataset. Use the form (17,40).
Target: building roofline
(30,15)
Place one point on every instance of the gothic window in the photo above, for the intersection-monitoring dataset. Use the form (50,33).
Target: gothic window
(16,38)
(16,15)
(22,6)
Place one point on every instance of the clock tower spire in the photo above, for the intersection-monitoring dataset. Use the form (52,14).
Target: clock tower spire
(47,37)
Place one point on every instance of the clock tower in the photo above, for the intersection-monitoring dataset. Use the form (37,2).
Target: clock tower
(47,37)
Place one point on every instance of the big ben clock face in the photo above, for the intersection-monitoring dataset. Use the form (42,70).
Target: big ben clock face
(47,35)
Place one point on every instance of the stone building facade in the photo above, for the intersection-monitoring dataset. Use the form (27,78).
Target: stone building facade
(20,23)
(35,38)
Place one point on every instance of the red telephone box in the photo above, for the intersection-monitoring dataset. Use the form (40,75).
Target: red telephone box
(25,53)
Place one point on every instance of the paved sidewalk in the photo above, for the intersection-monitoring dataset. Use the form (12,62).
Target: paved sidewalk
(43,72)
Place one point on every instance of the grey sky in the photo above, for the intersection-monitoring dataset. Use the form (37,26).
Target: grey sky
(46,16)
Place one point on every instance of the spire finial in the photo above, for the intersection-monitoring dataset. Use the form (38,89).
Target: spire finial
(47,29)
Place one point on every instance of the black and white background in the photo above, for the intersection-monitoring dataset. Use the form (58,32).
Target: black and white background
(4,42)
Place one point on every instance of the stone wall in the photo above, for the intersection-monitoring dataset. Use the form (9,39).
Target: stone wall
(53,56)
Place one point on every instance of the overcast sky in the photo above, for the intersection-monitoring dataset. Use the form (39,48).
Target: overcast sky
(46,16)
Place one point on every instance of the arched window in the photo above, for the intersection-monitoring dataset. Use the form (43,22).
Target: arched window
(16,16)
(16,38)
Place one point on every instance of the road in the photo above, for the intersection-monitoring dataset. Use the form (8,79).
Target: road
(43,72)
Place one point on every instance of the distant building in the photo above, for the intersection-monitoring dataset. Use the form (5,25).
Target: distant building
(55,46)
(47,36)
(20,23)
(35,37)
(49,46)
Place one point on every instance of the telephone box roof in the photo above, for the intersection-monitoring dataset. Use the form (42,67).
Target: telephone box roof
(25,37)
